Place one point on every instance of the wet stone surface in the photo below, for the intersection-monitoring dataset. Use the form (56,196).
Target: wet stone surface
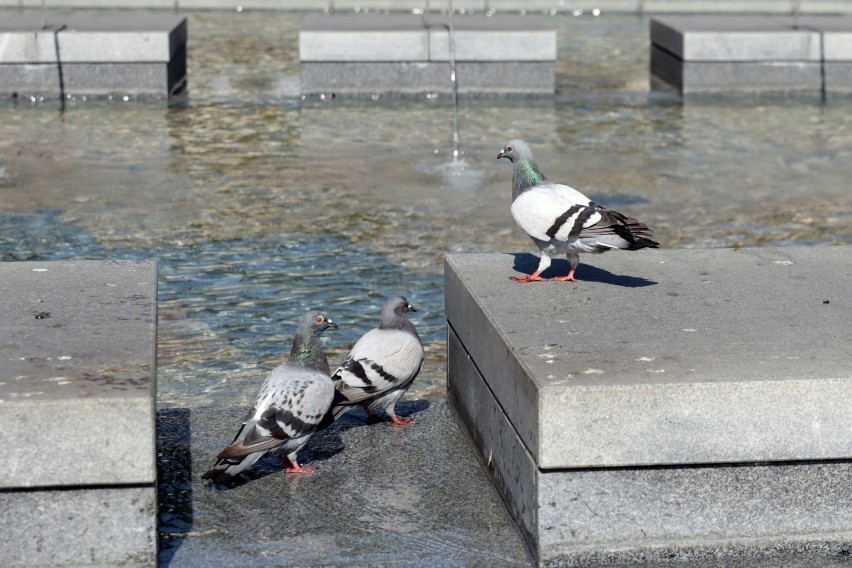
(381,494)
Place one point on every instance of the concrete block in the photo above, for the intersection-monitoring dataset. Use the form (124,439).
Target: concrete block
(726,39)
(92,39)
(358,38)
(838,79)
(737,78)
(621,516)
(665,357)
(837,34)
(427,77)
(77,383)
(752,55)
(61,54)
(374,77)
(409,54)
(495,38)
(79,527)
(95,79)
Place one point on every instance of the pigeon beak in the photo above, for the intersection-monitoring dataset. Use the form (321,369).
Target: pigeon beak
(331,323)
(501,155)
(410,308)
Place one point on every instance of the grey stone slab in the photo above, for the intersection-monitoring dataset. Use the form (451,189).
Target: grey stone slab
(495,38)
(837,35)
(507,462)
(381,495)
(77,380)
(838,79)
(415,78)
(413,38)
(734,38)
(160,80)
(666,356)
(79,527)
(140,38)
(734,514)
(787,78)
(356,38)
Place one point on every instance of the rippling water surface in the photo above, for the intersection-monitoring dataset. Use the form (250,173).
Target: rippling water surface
(259,206)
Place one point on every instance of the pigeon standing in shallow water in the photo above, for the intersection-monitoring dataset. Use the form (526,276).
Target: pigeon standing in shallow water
(561,220)
(381,366)
(292,402)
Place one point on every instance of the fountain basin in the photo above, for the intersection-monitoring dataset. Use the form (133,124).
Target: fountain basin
(670,404)
(409,54)
(808,57)
(56,55)
(77,394)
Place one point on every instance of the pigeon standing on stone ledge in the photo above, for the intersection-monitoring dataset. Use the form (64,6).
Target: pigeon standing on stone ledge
(381,366)
(292,402)
(561,220)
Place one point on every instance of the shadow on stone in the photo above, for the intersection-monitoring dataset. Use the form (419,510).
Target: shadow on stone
(174,472)
(357,417)
(527,263)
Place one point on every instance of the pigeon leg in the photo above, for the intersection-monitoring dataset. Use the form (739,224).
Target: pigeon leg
(292,466)
(543,264)
(574,259)
(371,418)
(534,277)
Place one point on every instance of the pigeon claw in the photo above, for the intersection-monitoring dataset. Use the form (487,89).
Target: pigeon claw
(569,278)
(534,277)
(401,421)
(294,467)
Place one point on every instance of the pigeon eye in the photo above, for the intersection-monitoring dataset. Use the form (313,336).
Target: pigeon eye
(508,148)
(320,319)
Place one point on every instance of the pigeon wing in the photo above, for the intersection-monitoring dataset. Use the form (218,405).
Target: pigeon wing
(291,404)
(383,359)
(553,211)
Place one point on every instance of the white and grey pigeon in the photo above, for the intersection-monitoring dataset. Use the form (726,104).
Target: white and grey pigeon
(561,220)
(381,365)
(291,404)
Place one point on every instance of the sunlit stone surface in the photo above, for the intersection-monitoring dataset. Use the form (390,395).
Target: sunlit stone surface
(809,56)
(60,55)
(77,399)
(672,385)
(410,54)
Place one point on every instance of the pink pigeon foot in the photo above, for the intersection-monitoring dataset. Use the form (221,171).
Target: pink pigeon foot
(534,277)
(402,421)
(568,278)
(294,467)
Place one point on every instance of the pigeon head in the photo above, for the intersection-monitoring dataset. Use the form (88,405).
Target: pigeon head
(525,174)
(316,322)
(307,350)
(515,151)
(393,312)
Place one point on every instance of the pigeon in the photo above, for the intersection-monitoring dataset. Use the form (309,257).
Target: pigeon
(561,220)
(292,402)
(381,365)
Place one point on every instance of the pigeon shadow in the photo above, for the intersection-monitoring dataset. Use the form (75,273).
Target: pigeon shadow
(174,481)
(357,417)
(323,445)
(526,263)
(320,447)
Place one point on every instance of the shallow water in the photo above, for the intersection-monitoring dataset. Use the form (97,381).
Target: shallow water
(259,205)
